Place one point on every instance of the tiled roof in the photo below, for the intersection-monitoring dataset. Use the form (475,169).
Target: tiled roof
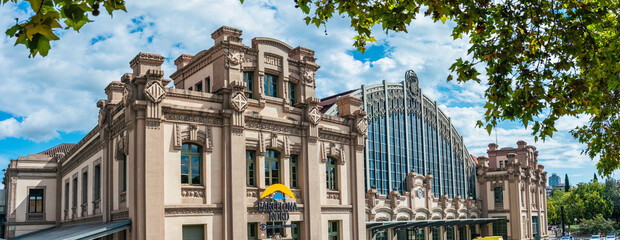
(62,148)
(327,102)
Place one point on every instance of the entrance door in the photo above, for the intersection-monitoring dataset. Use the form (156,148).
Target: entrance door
(535,228)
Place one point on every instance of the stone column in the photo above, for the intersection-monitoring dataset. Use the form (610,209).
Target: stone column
(313,182)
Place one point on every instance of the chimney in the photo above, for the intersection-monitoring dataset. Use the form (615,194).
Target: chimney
(226,33)
(483,161)
(114,90)
(348,105)
(521,144)
(492,146)
(144,62)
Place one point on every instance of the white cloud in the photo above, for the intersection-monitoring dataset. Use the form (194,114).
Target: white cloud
(58,93)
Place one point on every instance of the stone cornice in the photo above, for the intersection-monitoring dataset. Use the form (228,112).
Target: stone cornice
(192,210)
(84,140)
(257,122)
(91,149)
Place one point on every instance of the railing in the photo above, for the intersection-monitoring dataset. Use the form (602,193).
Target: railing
(36,216)
(96,209)
(333,195)
(499,205)
(66,214)
(74,212)
(84,209)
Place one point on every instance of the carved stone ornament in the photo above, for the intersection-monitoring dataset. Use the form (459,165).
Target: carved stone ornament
(154,92)
(233,59)
(127,94)
(314,115)
(239,101)
(361,126)
(308,76)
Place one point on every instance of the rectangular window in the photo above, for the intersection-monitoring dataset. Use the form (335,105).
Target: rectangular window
(294,171)
(253,231)
(124,173)
(271,231)
(331,174)
(84,187)
(35,201)
(67,195)
(97,183)
(500,228)
(272,167)
(199,87)
(248,79)
(420,234)
(271,85)
(191,164)
(499,198)
(435,233)
(333,228)
(75,192)
(193,232)
(462,232)
(296,231)
(208,84)
(292,89)
(450,232)
(250,168)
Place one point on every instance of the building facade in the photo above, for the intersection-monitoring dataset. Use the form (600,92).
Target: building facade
(191,162)
(554,180)
(512,184)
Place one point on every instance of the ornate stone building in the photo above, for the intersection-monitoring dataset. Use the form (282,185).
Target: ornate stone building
(512,186)
(191,162)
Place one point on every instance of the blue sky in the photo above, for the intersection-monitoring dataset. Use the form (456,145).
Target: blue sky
(52,100)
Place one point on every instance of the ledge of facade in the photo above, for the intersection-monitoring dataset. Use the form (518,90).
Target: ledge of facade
(79,145)
(185,93)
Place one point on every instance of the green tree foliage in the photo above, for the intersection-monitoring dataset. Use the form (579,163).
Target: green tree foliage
(552,213)
(543,59)
(612,193)
(50,16)
(566,183)
(596,225)
(585,201)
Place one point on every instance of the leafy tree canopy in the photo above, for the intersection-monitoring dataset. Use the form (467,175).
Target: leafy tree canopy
(543,59)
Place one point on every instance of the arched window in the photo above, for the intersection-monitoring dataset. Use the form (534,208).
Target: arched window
(191,164)
(331,173)
(272,167)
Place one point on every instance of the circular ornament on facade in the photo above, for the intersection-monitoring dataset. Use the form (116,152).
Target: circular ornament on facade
(314,115)
(239,102)
(420,193)
(154,92)
(362,126)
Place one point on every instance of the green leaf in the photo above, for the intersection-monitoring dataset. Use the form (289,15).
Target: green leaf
(44,46)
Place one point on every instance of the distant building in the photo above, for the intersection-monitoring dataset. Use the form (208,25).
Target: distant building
(554,180)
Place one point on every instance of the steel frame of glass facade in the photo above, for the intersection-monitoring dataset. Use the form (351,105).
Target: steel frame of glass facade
(407,132)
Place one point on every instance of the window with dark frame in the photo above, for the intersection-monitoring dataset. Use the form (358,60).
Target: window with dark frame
(333,230)
(292,89)
(499,195)
(273,230)
(84,187)
(294,171)
(272,167)
(35,201)
(271,85)
(67,195)
(248,79)
(123,173)
(208,84)
(75,192)
(250,168)
(191,164)
(97,182)
(252,231)
(331,173)
(199,86)
(296,231)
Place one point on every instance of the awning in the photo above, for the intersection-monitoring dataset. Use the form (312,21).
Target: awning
(79,231)
(396,225)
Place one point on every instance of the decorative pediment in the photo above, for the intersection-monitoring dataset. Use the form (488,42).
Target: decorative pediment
(329,149)
(192,133)
(275,141)
(122,145)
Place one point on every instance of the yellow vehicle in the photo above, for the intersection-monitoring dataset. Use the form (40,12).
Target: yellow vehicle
(492,238)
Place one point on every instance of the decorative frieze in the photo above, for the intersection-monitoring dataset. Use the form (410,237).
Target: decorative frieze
(120,215)
(333,195)
(192,211)
(192,192)
(193,118)
(272,127)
